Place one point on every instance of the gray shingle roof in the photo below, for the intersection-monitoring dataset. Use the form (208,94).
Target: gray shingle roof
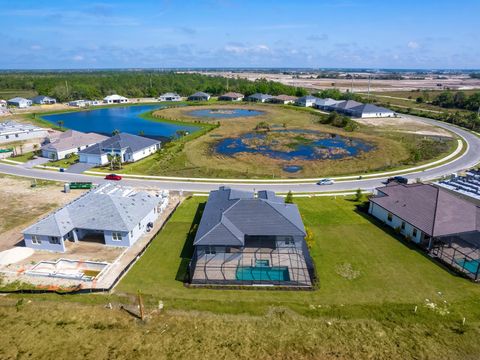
(127,141)
(306,98)
(370,108)
(347,105)
(200,94)
(102,209)
(231,214)
(259,96)
(433,210)
(72,139)
(40,98)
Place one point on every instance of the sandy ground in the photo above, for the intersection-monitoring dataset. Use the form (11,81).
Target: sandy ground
(359,85)
(404,123)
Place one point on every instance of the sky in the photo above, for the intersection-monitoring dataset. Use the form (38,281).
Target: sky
(423,34)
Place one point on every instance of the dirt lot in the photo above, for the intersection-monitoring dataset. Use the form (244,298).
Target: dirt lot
(359,85)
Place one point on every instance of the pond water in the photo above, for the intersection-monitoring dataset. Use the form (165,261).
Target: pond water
(294,145)
(224,113)
(124,118)
(292,168)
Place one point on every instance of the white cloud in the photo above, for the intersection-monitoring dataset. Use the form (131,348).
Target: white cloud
(35,47)
(413,45)
(78,58)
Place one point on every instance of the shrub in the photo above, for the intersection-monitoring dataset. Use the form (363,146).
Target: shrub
(309,238)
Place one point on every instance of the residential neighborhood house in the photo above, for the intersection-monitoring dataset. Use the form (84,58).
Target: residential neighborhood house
(115,99)
(326,104)
(306,101)
(43,100)
(231,96)
(199,96)
(257,97)
(70,142)
(443,223)
(113,215)
(128,147)
(13,131)
(282,99)
(370,111)
(243,239)
(169,97)
(20,102)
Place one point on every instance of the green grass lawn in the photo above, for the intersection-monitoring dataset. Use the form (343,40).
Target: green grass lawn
(389,272)
(64,163)
(23,157)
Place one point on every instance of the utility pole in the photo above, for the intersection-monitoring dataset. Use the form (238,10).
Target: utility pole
(369,78)
(351,87)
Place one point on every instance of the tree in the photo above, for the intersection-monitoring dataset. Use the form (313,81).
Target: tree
(358,195)
(60,123)
(289,198)
(35,148)
(181,133)
(115,132)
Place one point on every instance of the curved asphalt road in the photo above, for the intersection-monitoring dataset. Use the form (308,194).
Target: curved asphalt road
(469,159)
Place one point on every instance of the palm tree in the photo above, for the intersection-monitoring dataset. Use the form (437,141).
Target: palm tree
(35,148)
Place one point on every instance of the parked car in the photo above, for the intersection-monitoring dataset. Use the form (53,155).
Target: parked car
(398,179)
(326,182)
(113,177)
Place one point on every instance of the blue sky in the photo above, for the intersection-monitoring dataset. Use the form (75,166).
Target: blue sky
(228,33)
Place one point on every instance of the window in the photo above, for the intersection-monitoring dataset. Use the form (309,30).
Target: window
(414,233)
(36,240)
(7,136)
(403,225)
(116,236)
(389,217)
(16,135)
(54,240)
(210,251)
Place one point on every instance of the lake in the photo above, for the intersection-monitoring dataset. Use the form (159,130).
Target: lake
(224,113)
(123,118)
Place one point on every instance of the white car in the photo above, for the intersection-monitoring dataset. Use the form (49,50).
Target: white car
(325,182)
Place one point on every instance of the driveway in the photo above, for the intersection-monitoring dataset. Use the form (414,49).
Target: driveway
(38,161)
(79,168)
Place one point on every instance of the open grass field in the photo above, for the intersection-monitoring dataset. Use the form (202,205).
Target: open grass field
(197,156)
(364,307)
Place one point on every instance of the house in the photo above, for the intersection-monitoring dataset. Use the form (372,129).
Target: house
(243,239)
(199,96)
(77,103)
(258,97)
(306,101)
(115,99)
(370,111)
(282,99)
(129,147)
(169,97)
(3,104)
(345,107)
(325,104)
(43,100)
(231,96)
(13,131)
(20,102)
(443,223)
(112,215)
(70,142)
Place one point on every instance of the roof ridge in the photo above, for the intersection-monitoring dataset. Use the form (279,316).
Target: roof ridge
(285,204)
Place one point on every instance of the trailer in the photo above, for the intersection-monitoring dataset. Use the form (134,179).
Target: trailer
(80,185)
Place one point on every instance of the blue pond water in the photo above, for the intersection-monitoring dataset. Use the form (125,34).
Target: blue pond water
(224,113)
(324,147)
(124,118)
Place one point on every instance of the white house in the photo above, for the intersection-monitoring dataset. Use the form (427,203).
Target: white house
(116,216)
(282,99)
(371,111)
(258,97)
(3,104)
(115,99)
(77,103)
(199,96)
(12,131)
(20,102)
(70,142)
(170,97)
(129,147)
(231,96)
(43,100)
(306,101)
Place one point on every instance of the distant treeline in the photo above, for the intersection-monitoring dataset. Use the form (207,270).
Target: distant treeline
(475,75)
(94,85)
(338,95)
(453,100)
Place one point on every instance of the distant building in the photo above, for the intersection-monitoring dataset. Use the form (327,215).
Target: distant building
(20,102)
(43,100)
(129,147)
(115,99)
(169,97)
(112,215)
(306,101)
(14,131)
(77,103)
(199,96)
(370,111)
(282,99)
(70,142)
(231,96)
(258,97)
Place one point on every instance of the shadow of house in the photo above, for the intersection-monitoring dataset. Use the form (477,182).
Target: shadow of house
(187,251)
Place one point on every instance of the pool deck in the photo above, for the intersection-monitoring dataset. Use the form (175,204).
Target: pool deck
(223,267)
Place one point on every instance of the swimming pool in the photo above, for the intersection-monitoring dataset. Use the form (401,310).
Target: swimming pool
(470,265)
(262,273)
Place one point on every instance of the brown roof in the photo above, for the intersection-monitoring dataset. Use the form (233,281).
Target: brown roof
(286,97)
(232,95)
(433,210)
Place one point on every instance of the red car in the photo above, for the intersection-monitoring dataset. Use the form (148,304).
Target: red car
(113,177)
